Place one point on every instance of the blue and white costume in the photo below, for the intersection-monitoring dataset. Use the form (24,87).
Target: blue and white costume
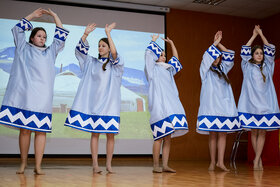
(97,104)
(28,99)
(258,107)
(167,113)
(217,110)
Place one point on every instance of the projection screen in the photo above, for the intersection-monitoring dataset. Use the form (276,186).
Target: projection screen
(131,36)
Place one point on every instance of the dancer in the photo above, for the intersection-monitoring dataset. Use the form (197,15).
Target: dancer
(167,113)
(27,103)
(217,114)
(96,107)
(258,107)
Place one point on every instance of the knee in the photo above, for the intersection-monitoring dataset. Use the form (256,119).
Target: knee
(40,133)
(25,132)
(262,132)
(110,136)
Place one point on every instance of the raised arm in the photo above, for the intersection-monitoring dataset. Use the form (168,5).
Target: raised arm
(36,14)
(174,50)
(108,29)
(90,27)
(255,34)
(259,31)
(57,21)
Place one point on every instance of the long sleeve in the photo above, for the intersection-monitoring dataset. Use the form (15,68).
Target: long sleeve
(246,56)
(152,54)
(19,33)
(210,55)
(81,53)
(176,65)
(269,56)
(58,43)
(117,64)
(227,61)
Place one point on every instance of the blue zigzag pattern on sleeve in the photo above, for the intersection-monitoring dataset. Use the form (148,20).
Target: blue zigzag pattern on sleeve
(82,47)
(270,51)
(25,25)
(93,123)
(16,117)
(246,50)
(175,63)
(257,121)
(214,52)
(61,33)
(153,46)
(228,56)
(218,123)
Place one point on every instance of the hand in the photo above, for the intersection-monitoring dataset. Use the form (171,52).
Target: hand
(90,27)
(49,12)
(38,13)
(218,37)
(258,30)
(255,32)
(168,40)
(154,37)
(108,28)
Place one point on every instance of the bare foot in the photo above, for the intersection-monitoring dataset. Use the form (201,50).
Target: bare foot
(97,170)
(157,170)
(256,165)
(168,169)
(260,165)
(21,168)
(222,167)
(211,167)
(110,170)
(38,172)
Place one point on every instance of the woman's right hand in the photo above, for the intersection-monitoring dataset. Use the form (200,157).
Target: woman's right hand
(155,37)
(38,13)
(218,37)
(90,27)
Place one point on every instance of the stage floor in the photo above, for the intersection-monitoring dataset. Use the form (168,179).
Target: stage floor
(133,172)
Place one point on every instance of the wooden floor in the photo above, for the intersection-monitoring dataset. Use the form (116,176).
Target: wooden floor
(133,172)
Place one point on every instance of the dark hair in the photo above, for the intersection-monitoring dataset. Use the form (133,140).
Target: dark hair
(34,32)
(220,73)
(253,61)
(107,42)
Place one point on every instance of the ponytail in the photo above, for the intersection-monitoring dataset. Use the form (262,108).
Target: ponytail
(220,73)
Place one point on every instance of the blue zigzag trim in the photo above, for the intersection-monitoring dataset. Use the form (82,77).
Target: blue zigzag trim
(93,123)
(257,121)
(214,52)
(112,61)
(24,24)
(162,128)
(179,121)
(228,56)
(35,121)
(153,46)
(175,63)
(218,123)
(269,50)
(82,47)
(246,50)
(61,33)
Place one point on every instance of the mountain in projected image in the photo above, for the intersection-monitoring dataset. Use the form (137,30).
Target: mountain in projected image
(132,79)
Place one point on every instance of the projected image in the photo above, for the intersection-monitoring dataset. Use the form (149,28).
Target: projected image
(130,45)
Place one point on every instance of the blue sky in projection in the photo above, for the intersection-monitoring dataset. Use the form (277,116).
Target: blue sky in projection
(130,45)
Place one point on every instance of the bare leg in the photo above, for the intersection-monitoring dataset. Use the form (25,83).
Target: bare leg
(165,154)
(110,151)
(39,147)
(212,149)
(222,138)
(24,143)
(254,138)
(94,152)
(259,148)
(156,153)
